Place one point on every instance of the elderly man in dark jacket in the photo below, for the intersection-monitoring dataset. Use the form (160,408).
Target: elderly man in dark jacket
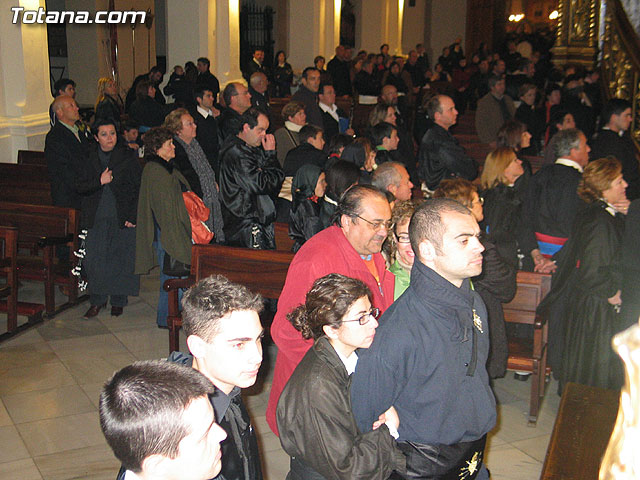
(438,328)
(440,155)
(250,176)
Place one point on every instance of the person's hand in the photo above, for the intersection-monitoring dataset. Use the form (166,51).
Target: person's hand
(350,131)
(390,418)
(542,264)
(623,206)
(133,146)
(106,176)
(616,299)
(128,224)
(269,142)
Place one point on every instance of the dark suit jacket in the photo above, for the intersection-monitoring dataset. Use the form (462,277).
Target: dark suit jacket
(207,136)
(63,151)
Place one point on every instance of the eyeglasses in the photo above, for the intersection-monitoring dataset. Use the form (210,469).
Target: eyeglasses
(376,225)
(403,238)
(364,319)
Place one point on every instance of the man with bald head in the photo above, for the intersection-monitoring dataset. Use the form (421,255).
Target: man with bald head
(237,100)
(64,148)
(258,85)
(441,155)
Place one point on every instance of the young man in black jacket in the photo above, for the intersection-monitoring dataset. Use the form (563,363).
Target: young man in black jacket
(224,336)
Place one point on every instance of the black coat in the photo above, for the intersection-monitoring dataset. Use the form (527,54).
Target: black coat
(63,151)
(631,265)
(301,155)
(282,78)
(310,101)
(534,121)
(207,136)
(496,285)
(340,76)
(330,125)
(209,81)
(304,222)
(441,156)
(125,185)
(228,124)
(249,178)
(147,112)
(366,84)
(109,108)
(608,142)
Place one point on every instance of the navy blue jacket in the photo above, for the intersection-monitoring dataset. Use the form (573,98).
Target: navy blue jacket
(422,362)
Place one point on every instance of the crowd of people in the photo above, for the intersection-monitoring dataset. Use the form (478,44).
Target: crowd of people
(390,324)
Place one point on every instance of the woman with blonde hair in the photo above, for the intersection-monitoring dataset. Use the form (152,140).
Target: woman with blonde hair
(503,211)
(589,280)
(108,103)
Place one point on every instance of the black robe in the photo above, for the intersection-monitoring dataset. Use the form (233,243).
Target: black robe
(608,142)
(588,275)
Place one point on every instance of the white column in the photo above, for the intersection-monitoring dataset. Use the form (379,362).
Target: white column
(314,29)
(25,93)
(205,28)
(378,22)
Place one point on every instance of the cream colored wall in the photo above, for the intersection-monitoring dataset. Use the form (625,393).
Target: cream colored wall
(446,21)
(414,28)
(24,85)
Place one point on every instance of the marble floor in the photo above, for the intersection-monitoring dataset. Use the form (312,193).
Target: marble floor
(51,376)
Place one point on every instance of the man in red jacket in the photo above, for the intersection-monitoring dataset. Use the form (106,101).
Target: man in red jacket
(350,247)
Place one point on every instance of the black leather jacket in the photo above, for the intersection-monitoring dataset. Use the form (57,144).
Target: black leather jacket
(249,178)
(441,156)
(317,427)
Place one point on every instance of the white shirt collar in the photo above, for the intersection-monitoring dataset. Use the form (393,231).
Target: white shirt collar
(129,475)
(203,112)
(294,127)
(567,162)
(349,362)
(331,110)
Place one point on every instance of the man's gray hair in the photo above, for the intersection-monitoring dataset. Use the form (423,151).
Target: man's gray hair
(387,174)
(567,140)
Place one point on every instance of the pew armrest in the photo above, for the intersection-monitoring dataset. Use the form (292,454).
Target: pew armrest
(177,283)
(53,241)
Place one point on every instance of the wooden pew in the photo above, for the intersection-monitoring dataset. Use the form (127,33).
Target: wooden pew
(8,268)
(31,157)
(24,184)
(284,243)
(580,436)
(530,354)
(41,229)
(262,271)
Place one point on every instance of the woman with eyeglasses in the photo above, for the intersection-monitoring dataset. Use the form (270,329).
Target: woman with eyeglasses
(401,254)
(497,282)
(315,423)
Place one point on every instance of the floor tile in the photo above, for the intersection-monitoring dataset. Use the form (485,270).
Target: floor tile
(534,447)
(5,419)
(69,324)
(509,463)
(94,345)
(26,355)
(23,469)
(24,338)
(29,379)
(513,423)
(11,445)
(92,369)
(92,390)
(145,339)
(59,434)
(275,466)
(91,463)
(57,402)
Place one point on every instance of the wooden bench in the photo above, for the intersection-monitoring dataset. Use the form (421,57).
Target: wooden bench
(24,184)
(31,157)
(262,271)
(40,230)
(580,436)
(530,354)
(284,243)
(9,291)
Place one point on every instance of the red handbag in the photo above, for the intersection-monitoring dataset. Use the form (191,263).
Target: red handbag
(198,214)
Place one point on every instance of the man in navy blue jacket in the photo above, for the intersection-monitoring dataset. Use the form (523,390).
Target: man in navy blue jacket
(428,358)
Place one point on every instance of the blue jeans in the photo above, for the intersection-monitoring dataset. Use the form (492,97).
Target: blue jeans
(163,299)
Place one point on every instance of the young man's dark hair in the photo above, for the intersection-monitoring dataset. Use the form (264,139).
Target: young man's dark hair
(615,106)
(250,117)
(205,61)
(493,80)
(381,131)
(322,85)
(307,132)
(338,142)
(130,125)
(204,304)
(142,407)
(306,71)
(427,224)
(61,85)
(200,91)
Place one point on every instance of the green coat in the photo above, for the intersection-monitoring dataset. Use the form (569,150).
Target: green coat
(161,197)
(403,278)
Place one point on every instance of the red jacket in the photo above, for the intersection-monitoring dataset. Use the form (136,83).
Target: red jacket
(326,252)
